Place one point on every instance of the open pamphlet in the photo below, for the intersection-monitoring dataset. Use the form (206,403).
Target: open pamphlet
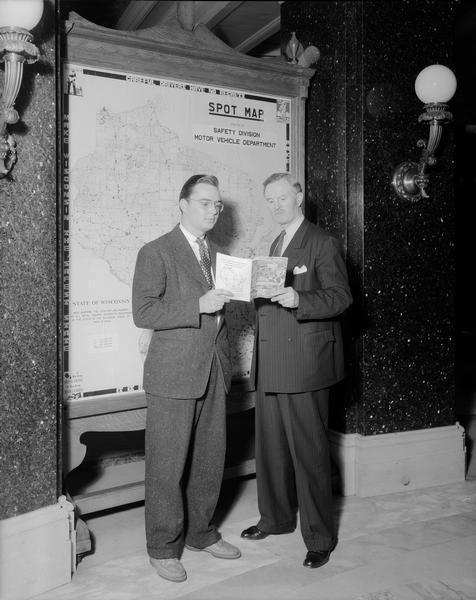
(249,278)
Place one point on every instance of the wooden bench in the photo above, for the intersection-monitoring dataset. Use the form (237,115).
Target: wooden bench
(118,481)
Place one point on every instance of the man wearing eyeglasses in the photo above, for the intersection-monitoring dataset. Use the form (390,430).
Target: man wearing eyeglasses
(187,373)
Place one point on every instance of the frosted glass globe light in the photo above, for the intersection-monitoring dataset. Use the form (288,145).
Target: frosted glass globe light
(20,13)
(435,83)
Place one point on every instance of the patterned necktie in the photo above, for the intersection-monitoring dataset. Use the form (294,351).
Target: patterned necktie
(205,261)
(279,244)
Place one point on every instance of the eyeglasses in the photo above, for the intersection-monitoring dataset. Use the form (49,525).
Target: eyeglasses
(209,204)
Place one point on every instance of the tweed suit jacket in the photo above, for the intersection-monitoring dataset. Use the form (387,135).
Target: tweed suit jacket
(168,282)
(301,349)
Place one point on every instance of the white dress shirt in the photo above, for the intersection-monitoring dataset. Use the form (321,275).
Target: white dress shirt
(192,240)
(290,231)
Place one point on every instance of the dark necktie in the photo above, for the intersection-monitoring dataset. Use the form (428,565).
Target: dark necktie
(205,261)
(279,244)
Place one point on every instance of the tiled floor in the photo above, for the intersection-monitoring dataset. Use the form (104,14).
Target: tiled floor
(416,545)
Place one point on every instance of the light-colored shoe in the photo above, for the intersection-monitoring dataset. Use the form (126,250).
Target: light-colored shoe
(220,549)
(169,568)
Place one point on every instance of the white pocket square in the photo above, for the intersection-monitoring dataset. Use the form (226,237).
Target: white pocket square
(299,270)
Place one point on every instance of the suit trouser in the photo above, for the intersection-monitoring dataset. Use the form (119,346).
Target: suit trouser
(185,444)
(293,466)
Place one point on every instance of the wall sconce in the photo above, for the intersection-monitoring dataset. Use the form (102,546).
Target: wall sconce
(17,17)
(434,86)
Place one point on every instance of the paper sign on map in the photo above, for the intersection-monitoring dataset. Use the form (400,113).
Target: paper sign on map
(249,278)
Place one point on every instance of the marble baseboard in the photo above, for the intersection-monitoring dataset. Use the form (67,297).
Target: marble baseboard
(395,462)
(37,551)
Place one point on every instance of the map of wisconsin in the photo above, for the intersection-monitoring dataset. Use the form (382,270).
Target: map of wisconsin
(125,193)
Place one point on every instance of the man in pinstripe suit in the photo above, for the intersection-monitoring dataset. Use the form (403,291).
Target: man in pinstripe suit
(298,355)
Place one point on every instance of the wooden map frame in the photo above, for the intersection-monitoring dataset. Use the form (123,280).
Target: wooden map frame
(197,56)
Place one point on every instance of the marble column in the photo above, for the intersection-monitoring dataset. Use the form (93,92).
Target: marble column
(37,537)
(361,122)
(29,429)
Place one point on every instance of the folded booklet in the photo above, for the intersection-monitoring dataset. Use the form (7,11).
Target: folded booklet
(249,278)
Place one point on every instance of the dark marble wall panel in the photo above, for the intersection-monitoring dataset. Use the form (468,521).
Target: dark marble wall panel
(325,139)
(361,122)
(28,406)
(327,199)
(409,248)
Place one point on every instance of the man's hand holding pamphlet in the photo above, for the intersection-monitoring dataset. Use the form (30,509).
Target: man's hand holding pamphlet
(250,278)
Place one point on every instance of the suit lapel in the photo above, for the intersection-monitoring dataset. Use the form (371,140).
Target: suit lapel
(186,257)
(296,246)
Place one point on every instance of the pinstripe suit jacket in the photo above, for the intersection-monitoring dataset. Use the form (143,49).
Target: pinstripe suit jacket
(301,350)
(167,285)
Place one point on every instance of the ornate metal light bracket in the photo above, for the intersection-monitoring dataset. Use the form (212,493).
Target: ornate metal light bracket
(410,178)
(15,49)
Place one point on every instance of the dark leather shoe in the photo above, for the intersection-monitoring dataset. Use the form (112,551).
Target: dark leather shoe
(254,533)
(314,559)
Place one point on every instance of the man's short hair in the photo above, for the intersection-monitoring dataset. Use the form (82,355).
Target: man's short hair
(194,180)
(287,176)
